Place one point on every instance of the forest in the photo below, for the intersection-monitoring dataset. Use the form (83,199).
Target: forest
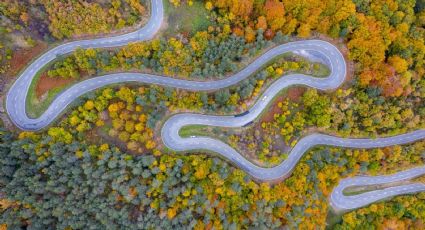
(172,191)
(103,165)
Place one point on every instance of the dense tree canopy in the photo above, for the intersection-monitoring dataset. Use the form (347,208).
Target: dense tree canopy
(375,32)
(49,184)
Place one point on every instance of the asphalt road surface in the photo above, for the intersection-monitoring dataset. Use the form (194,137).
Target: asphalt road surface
(319,50)
(343,203)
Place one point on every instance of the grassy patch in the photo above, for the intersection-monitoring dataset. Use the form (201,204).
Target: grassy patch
(193,130)
(321,70)
(32,103)
(185,18)
(34,106)
(351,191)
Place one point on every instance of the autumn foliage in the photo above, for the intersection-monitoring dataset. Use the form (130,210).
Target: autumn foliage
(380,35)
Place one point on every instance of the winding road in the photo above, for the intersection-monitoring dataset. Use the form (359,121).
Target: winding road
(321,50)
(342,202)
(16,97)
